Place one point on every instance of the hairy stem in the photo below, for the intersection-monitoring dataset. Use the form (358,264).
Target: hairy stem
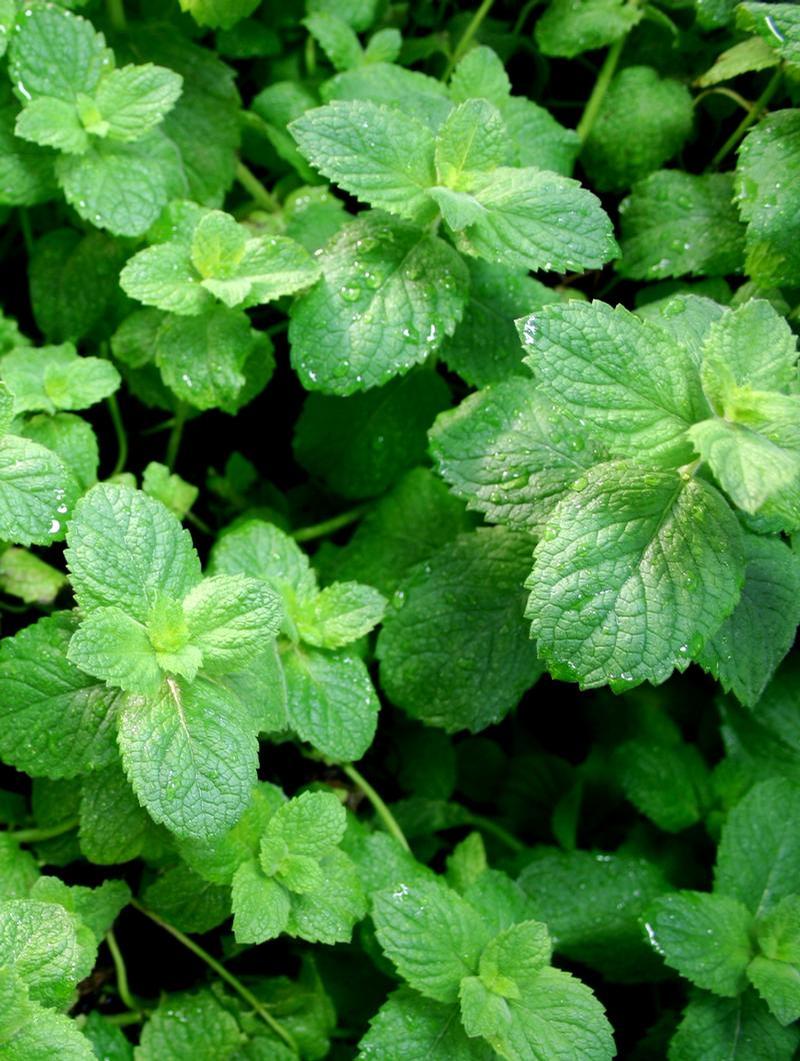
(35,836)
(123,987)
(462,47)
(595,101)
(328,526)
(754,113)
(233,981)
(251,184)
(383,812)
(119,430)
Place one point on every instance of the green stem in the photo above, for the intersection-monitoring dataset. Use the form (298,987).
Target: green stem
(383,812)
(35,836)
(175,435)
(497,831)
(310,56)
(27,234)
(463,45)
(328,526)
(755,112)
(123,988)
(116,15)
(123,1019)
(720,90)
(233,981)
(523,15)
(251,184)
(593,104)
(119,430)
(199,523)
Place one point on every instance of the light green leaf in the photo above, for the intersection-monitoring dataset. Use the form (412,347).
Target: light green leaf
(336,38)
(473,139)
(126,549)
(769,197)
(162,276)
(24,575)
(39,941)
(26,170)
(16,1009)
(566,29)
(219,13)
(510,454)
(480,74)
(731,1029)
(751,54)
(455,652)
(520,221)
(56,377)
(388,296)
(779,932)
(328,915)
(339,614)
(96,908)
(46,1035)
(432,936)
(336,439)
(707,938)
(311,824)
(134,99)
(18,873)
(678,224)
(52,123)
(72,439)
(617,608)
(758,859)
(409,1027)
(56,720)
(416,95)
(191,756)
(635,386)
(380,155)
(778,983)
(115,648)
(168,488)
(263,551)
(776,24)
(190,1025)
(643,121)
(36,492)
(229,618)
(331,701)
(56,54)
(260,905)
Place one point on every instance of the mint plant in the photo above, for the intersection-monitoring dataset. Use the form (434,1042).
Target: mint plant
(399,521)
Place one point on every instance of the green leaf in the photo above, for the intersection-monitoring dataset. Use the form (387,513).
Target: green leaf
(485,347)
(36,492)
(169,489)
(777,24)
(56,720)
(229,618)
(39,941)
(361,445)
(388,296)
(56,377)
(329,914)
(472,140)
(432,936)
(187,901)
(56,54)
(409,1027)
(114,827)
(196,1025)
(260,905)
(751,54)
(26,170)
(72,439)
(191,756)
(263,551)
(643,121)
(707,938)
(134,99)
(758,858)
(52,123)
(778,983)
(96,908)
(510,454)
(634,385)
(45,1035)
(380,155)
(458,617)
(18,871)
(405,527)
(115,648)
(336,38)
(24,575)
(16,1009)
(107,1040)
(731,1029)
(678,224)
(603,930)
(339,614)
(127,550)
(767,195)
(567,29)
(311,824)
(667,780)
(162,275)
(122,186)
(516,218)
(480,73)
(617,607)
(218,13)
(331,701)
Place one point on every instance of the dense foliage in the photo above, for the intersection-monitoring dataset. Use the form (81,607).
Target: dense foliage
(522,548)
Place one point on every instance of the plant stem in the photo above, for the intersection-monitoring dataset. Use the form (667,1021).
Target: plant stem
(593,104)
(523,15)
(27,234)
(116,15)
(175,435)
(232,981)
(497,831)
(119,430)
(35,836)
(755,112)
(122,1019)
(328,526)
(250,182)
(720,90)
(123,988)
(467,37)
(383,812)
